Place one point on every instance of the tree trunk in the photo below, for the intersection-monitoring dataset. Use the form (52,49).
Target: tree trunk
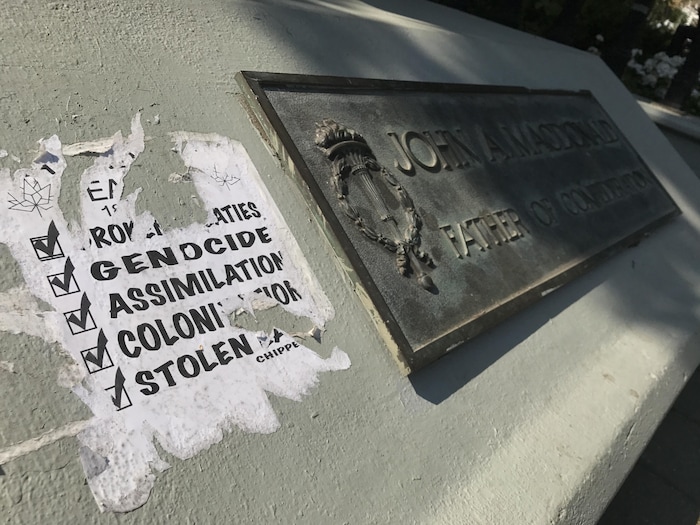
(511,13)
(677,45)
(506,12)
(682,84)
(564,28)
(617,54)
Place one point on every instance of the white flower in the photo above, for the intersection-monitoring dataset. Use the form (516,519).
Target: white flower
(600,38)
(664,70)
(660,66)
(649,80)
(677,61)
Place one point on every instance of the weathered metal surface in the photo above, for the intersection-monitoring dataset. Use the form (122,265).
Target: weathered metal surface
(457,205)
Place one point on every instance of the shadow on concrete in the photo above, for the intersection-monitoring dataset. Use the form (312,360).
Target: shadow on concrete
(663,488)
(386,50)
(389,52)
(442,378)
(643,296)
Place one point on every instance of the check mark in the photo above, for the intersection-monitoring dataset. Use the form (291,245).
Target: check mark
(120,399)
(64,283)
(97,358)
(47,247)
(80,319)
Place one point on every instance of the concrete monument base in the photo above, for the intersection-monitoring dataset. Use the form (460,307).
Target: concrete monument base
(536,421)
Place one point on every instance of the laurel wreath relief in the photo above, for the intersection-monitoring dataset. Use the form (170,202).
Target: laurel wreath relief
(352,157)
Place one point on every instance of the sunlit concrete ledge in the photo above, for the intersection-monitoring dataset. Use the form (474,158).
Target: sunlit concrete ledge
(566,460)
(669,118)
(578,449)
(536,422)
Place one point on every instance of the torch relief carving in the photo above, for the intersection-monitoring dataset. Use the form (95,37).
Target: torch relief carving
(351,157)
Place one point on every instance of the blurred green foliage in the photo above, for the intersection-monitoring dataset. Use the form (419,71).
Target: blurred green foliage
(596,25)
(596,17)
(601,17)
(539,15)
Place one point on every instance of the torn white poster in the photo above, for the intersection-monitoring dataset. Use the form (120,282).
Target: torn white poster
(144,311)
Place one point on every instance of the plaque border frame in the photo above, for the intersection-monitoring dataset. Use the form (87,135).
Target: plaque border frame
(272,130)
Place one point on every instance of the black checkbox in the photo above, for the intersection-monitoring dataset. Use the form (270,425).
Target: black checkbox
(121,401)
(80,321)
(45,250)
(63,283)
(47,246)
(120,397)
(96,359)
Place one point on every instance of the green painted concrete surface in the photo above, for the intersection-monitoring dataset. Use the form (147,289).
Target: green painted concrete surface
(535,422)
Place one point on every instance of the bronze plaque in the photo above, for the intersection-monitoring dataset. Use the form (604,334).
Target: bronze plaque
(456,205)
